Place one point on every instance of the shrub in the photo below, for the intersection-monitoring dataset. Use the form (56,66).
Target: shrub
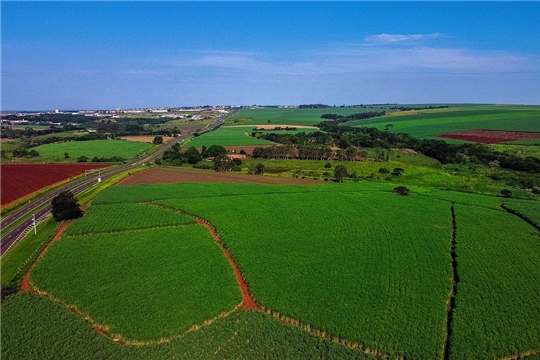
(401,190)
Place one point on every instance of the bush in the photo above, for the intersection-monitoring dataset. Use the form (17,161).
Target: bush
(401,190)
(506,193)
(328,165)
(384,171)
(82,159)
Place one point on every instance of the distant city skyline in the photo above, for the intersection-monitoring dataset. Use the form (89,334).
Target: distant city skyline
(108,55)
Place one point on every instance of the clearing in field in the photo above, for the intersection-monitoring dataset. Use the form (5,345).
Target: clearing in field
(491,136)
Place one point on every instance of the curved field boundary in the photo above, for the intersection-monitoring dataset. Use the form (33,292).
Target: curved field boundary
(522,355)
(521,216)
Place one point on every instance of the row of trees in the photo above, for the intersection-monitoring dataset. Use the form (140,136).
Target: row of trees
(176,157)
(289,151)
(345,137)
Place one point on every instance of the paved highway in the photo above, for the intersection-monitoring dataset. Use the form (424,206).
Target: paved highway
(12,237)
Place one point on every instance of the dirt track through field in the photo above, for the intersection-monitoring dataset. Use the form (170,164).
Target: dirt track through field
(248,302)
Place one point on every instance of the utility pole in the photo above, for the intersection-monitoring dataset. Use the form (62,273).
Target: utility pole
(34,219)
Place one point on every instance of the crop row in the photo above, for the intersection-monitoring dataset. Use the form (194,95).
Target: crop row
(527,209)
(144,284)
(121,217)
(367,267)
(498,302)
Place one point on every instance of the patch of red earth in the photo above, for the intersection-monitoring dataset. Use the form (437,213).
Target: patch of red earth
(491,136)
(173,176)
(15,182)
(248,302)
(5,140)
(25,286)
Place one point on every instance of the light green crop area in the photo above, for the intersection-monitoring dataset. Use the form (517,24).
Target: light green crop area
(92,148)
(429,125)
(144,284)
(227,137)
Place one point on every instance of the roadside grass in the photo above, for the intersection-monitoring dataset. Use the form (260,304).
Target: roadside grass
(18,260)
(92,148)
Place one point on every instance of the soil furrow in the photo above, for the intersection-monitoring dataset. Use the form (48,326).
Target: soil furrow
(521,216)
(451,305)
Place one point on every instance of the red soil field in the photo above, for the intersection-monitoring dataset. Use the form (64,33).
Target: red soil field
(172,176)
(20,180)
(491,136)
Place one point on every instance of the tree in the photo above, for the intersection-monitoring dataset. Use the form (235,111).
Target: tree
(340,172)
(401,190)
(82,159)
(158,140)
(66,155)
(223,163)
(65,206)
(214,151)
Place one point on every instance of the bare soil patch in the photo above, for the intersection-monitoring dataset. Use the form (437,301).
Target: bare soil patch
(145,139)
(171,176)
(491,136)
(5,140)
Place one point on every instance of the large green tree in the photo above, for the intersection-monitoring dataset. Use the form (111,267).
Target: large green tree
(340,172)
(65,206)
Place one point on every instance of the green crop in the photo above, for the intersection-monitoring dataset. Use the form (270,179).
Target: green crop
(35,328)
(227,137)
(527,209)
(121,217)
(498,303)
(367,267)
(143,284)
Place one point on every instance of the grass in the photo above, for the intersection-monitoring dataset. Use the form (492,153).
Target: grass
(527,209)
(92,148)
(429,125)
(226,137)
(18,260)
(518,150)
(498,304)
(36,328)
(144,284)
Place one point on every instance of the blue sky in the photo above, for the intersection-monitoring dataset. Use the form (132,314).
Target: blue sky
(102,55)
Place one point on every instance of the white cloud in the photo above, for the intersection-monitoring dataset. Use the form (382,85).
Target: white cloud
(382,39)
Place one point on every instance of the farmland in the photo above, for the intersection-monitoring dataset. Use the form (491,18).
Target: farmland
(389,256)
(92,148)
(180,279)
(15,184)
(430,124)
(227,137)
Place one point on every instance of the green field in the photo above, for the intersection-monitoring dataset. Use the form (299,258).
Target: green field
(430,124)
(498,303)
(396,274)
(290,116)
(226,137)
(36,328)
(122,217)
(144,284)
(353,261)
(93,148)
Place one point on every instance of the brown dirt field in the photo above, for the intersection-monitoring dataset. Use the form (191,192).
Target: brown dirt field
(172,176)
(145,139)
(491,136)
(5,140)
